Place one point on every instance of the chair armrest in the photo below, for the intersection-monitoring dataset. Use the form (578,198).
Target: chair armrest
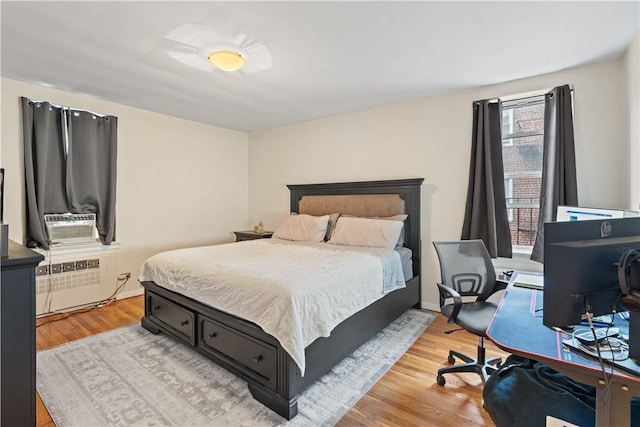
(447,292)
(497,287)
(500,285)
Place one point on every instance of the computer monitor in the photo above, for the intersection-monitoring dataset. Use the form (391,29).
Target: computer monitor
(581,267)
(575,213)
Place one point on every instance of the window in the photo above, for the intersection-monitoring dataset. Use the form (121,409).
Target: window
(508,195)
(522,145)
(68,168)
(507,126)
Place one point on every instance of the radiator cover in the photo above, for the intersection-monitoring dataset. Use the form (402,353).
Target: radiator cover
(66,280)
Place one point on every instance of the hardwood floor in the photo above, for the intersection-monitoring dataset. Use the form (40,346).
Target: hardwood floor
(407,395)
(81,324)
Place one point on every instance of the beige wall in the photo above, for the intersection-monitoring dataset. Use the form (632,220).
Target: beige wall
(180,183)
(430,138)
(632,78)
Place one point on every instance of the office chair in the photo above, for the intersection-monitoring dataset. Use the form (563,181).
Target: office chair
(467,272)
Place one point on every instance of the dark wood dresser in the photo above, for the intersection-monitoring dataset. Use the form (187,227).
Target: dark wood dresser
(18,336)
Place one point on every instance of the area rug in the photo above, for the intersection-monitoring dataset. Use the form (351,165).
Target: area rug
(129,376)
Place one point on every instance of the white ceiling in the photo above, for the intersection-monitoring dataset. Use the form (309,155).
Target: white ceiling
(328,57)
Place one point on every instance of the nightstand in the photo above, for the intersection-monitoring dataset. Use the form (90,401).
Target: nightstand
(252,235)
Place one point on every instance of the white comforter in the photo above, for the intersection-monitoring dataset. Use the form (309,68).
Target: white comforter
(295,292)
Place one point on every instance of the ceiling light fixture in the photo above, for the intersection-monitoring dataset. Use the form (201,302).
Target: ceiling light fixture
(200,46)
(227,60)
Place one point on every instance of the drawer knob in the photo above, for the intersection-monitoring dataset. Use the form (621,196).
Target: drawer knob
(184,322)
(155,307)
(212,335)
(257,358)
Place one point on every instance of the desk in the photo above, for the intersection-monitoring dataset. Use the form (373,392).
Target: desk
(517,328)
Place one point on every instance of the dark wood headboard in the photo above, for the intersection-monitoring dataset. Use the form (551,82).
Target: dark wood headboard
(408,191)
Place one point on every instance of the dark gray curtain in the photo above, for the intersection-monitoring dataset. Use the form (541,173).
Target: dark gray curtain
(44,160)
(486,210)
(559,184)
(70,166)
(91,169)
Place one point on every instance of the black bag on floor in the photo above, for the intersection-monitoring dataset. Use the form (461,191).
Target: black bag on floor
(522,392)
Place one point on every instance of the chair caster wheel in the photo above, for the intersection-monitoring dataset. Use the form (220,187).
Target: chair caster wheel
(451,359)
(441,380)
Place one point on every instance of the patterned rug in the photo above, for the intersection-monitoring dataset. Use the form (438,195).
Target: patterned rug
(129,376)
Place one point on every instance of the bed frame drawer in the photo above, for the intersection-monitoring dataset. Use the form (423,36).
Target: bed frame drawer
(255,355)
(169,314)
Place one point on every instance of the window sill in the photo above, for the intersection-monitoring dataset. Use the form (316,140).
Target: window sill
(520,261)
(90,248)
(522,250)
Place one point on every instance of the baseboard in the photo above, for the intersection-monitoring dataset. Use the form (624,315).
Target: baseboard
(123,295)
(130,294)
(430,306)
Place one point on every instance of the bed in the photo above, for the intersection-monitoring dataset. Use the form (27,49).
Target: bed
(273,376)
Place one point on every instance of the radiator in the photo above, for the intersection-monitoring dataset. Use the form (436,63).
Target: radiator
(65,281)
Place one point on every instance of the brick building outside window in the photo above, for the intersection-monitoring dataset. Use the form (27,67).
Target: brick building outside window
(522,146)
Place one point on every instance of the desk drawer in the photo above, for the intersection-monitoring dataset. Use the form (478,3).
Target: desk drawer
(252,354)
(179,319)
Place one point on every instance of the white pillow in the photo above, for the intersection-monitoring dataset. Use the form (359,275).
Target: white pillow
(399,217)
(377,233)
(302,228)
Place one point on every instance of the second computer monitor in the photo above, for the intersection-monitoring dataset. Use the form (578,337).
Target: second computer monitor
(581,267)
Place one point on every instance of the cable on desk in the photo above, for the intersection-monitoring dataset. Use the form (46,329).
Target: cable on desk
(605,394)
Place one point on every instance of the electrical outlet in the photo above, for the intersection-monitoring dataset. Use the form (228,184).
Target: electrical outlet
(93,263)
(124,276)
(56,268)
(68,266)
(81,265)
(42,270)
